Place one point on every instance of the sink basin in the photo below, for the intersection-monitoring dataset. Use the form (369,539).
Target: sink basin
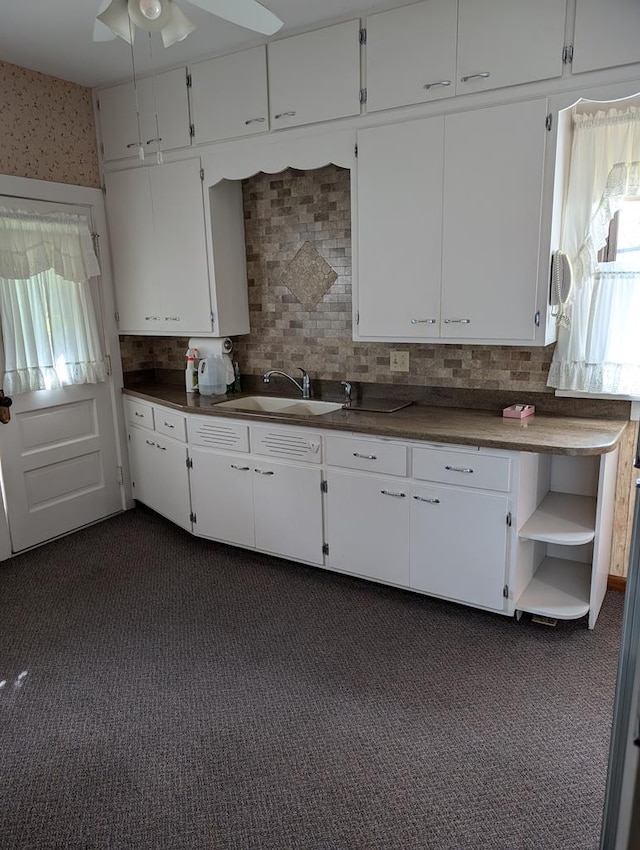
(288,406)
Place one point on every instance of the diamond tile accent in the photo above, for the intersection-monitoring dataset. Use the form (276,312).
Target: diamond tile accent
(309,276)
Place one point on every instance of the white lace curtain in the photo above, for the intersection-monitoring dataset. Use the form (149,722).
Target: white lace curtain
(598,350)
(49,330)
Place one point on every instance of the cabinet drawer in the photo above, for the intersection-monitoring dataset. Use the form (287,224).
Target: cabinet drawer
(470,469)
(282,443)
(218,433)
(170,423)
(138,413)
(369,455)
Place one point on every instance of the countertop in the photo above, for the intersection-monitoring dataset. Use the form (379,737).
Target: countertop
(548,434)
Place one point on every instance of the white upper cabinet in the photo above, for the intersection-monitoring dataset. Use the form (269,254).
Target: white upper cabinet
(229,96)
(167,93)
(159,250)
(493,179)
(606,34)
(506,42)
(399,193)
(411,54)
(315,76)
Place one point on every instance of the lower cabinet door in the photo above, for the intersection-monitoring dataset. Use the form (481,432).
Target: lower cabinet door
(222,496)
(459,545)
(287,506)
(368,526)
(160,476)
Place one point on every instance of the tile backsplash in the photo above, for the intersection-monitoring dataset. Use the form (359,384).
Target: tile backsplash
(47,128)
(293,221)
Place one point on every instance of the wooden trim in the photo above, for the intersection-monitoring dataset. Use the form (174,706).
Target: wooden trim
(618,583)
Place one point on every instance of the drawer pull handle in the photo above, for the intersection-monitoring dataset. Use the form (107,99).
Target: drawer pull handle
(290,114)
(391,493)
(150,442)
(162,448)
(457,321)
(172,318)
(255,121)
(152,318)
(264,472)
(423,321)
(365,457)
(428,86)
(459,469)
(483,74)
(141,415)
(241,468)
(168,425)
(430,501)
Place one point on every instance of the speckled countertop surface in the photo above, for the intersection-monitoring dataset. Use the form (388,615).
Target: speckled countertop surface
(550,434)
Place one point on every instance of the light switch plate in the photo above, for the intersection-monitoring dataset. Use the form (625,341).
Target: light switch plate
(399,361)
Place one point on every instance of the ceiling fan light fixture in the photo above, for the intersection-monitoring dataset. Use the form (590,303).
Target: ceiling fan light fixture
(178,28)
(150,15)
(116,17)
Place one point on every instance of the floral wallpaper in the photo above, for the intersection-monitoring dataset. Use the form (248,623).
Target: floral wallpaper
(47,129)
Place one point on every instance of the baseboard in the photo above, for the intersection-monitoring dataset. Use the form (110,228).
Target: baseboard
(618,583)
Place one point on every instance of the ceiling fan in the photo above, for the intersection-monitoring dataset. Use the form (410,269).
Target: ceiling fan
(121,17)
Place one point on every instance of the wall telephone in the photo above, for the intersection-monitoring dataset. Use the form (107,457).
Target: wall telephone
(561,278)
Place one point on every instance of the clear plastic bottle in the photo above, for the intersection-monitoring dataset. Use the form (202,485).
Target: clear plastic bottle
(191,373)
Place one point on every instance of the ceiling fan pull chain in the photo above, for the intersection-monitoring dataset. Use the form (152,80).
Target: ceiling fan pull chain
(135,95)
(159,158)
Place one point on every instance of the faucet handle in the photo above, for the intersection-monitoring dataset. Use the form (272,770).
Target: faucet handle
(347,391)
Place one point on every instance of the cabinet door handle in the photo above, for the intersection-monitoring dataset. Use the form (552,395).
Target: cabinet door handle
(430,501)
(391,493)
(459,469)
(482,74)
(241,468)
(168,425)
(457,321)
(256,120)
(157,139)
(150,442)
(172,318)
(264,472)
(162,448)
(365,457)
(428,86)
(423,321)
(285,114)
(134,144)
(152,318)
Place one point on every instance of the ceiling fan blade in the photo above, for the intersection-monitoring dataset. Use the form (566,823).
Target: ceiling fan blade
(101,32)
(116,18)
(245,13)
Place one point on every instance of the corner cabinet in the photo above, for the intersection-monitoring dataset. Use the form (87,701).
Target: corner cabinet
(163,99)
(460,198)
(164,283)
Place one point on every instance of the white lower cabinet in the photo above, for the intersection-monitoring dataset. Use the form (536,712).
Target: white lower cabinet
(368,526)
(458,545)
(247,501)
(159,474)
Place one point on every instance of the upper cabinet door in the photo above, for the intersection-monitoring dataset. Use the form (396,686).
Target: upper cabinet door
(229,96)
(492,206)
(506,42)
(164,95)
(606,34)
(411,54)
(315,76)
(400,229)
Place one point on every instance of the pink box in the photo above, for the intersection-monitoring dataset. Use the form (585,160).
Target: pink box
(519,411)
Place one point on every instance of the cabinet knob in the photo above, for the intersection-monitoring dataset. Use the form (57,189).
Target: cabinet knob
(285,114)
(391,493)
(482,74)
(258,120)
(428,86)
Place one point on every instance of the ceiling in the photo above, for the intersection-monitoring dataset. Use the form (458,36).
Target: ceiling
(55,36)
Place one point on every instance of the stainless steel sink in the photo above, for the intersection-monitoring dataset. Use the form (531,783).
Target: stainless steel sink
(288,406)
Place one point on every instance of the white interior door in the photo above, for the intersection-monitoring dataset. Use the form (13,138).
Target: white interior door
(59,453)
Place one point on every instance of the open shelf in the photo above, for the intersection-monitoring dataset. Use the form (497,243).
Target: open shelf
(559,589)
(562,518)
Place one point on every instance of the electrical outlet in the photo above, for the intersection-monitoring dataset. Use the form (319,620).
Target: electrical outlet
(399,361)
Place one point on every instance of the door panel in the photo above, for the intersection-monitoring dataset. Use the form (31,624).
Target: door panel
(59,462)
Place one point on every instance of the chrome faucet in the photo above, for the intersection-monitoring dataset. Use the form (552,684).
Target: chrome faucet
(347,393)
(305,387)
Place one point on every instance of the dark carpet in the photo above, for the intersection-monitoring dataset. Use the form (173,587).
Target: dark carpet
(184,694)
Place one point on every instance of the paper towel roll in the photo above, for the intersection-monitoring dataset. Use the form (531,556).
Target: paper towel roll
(211,345)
